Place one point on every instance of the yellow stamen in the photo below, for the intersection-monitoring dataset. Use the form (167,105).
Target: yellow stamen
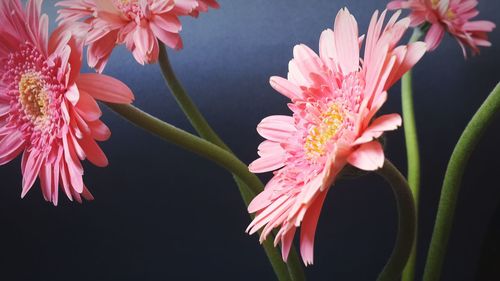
(33,97)
(320,135)
(450,14)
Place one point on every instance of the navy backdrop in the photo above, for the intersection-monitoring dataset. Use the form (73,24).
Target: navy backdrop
(163,214)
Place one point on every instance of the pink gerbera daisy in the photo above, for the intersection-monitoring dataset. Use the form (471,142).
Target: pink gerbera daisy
(453,16)
(334,97)
(48,110)
(138,24)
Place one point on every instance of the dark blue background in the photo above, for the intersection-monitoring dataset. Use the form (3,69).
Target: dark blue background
(163,214)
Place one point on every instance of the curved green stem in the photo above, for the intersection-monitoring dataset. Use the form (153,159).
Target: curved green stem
(187,105)
(406,222)
(452,180)
(187,141)
(210,151)
(204,129)
(412,153)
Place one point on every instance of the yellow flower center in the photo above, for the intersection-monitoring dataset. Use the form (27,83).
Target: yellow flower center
(319,136)
(33,97)
(450,14)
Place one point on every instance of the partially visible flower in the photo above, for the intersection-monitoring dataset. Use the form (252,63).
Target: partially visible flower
(452,16)
(203,6)
(138,24)
(48,111)
(334,99)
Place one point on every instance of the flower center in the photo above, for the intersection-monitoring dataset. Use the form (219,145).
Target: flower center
(128,7)
(33,98)
(320,135)
(450,14)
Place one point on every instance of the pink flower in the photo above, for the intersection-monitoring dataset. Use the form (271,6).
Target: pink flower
(453,16)
(138,24)
(48,110)
(334,97)
(203,6)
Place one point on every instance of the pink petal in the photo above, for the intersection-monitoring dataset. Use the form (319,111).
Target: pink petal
(170,39)
(98,52)
(398,4)
(434,36)
(105,88)
(93,152)
(263,217)
(72,94)
(167,22)
(99,130)
(296,76)
(346,41)
(307,60)
(46,181)
(413,53)
(144,41)
(286,243)
(33,166)
(276,128)
(261,201)
(268,163)
(368,157)
(286,88)
(185,7)
(73,165)
(10,146)
(87,107)
(269,147)
(384,123)
(482,25)
(327,50)
(308,229)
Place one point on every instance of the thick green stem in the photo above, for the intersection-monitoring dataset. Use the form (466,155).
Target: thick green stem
(413,155)
(212,152)
(452,180)
(205,131)
(406,222)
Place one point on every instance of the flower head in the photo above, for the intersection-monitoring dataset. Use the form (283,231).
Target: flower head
(334,97)
(138,24)
(48,111)
(452,16)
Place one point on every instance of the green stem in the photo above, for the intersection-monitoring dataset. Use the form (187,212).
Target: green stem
(187,105)
(212,152)
(406,222)
(412,153)
(201,125)
(452,180)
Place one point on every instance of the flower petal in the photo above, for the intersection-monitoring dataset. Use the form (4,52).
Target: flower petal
(384,123)
(105,88)
(368,157)
(346,41)
(434,36)
(276,128)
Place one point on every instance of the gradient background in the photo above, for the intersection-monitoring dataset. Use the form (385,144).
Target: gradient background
(163,214)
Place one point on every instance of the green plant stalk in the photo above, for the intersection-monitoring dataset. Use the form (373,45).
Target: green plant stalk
(212,152)
(452,180)
(204,129)
(406,222)
(412,154)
